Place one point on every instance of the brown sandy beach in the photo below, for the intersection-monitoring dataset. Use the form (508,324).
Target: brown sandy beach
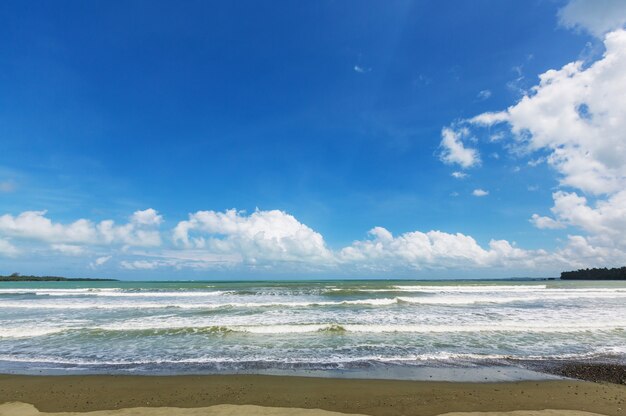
(368,397)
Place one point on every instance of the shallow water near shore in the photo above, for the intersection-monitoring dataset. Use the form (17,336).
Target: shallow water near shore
(436,330)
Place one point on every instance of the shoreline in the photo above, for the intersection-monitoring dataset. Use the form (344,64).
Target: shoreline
(369,397)
(494,371)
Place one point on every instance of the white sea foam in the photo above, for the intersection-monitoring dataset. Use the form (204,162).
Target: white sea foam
(219,327)
(296,323)
(30,331)
(314,359)
(186,305)
(158,302)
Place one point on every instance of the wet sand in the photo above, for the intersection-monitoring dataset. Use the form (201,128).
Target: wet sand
(367,397)
(582,370)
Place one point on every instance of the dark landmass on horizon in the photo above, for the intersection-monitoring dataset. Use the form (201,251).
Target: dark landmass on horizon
(16,277)
(617,273)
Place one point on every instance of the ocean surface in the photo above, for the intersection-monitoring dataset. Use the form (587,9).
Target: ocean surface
(257,327)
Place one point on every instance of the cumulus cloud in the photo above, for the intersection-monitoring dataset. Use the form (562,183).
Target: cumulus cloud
(459,175)
(545,222)
(274,240)
(578,115)
(574,120)
(604,220)
(594,16)
(35,225)
(436,250)
(7,249)
(263,236)
(480,192)
(147,217)
(453,150)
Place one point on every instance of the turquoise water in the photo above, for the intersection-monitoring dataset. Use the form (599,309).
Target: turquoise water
(225,327)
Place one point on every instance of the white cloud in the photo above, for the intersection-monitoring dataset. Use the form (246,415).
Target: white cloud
(605,221)
(361,69)
(488,119)
(140,265)
(496,137)
(480,192)
(7,249)
(595,16)
(34,225)
(581,252)
(578,115)
(575,119)
(147,217)
(99,261)
(455,152)
(545,222)
(68,249)
(263,236)
(435,250)
(459,175)
(275,240)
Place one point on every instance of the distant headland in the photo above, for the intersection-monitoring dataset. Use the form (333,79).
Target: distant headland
(618,273)
(16,277)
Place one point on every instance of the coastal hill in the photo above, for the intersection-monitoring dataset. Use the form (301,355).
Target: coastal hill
(596,274)
(16,277)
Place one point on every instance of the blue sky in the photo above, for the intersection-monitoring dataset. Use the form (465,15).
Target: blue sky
(315,122)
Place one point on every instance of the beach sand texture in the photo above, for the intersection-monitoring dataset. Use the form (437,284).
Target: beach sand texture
(24,409)
(52,394)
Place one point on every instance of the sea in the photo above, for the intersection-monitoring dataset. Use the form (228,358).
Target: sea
(374,328)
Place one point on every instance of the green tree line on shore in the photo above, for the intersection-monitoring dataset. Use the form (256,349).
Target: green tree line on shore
(617,273)
(16,277)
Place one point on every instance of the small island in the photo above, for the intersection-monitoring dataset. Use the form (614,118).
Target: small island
(618,273)
(16,277)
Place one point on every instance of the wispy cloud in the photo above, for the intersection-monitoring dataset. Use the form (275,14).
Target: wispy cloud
(100,261)
(484,95)
(7,186)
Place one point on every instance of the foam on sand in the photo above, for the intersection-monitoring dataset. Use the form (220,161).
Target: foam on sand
(24,409)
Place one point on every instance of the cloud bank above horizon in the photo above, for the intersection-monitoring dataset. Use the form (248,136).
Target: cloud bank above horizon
(272,240)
